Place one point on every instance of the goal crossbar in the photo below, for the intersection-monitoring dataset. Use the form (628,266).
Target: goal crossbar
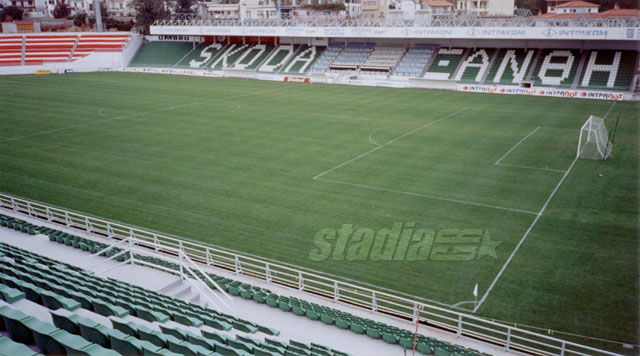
(594,140)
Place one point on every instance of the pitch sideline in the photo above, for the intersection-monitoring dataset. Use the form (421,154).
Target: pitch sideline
(535,221)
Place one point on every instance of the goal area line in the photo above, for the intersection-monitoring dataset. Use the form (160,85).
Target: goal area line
(533,224)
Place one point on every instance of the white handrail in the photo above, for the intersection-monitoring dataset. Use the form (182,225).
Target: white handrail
(376,301)
(436,21)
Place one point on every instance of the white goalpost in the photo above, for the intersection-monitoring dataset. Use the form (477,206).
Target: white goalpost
(594,140)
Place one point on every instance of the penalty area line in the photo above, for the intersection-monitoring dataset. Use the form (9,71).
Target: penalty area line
(535,221)
(434,197)
(390,142)
(516,145)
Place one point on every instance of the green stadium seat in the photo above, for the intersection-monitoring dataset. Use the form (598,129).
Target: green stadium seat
(218,324)
(127,345)
(175,332)
(96,332)
(12,322)
(424,348)
(155,337)
(244,327)
(297,310)
(214,336)
(272,302)
(126,327)
(327,319)
(389,338)
(241,345)
(259,298)
(372,333)
(188,349)
(201,341)
(11,348)
(107,309)
(161,54)
(160,352)
(187,320)
(54,301)
(342,324)
(149,315)
(225,350)
(262,352)
(10,295)
(68,323)
(441,352)
(268,331)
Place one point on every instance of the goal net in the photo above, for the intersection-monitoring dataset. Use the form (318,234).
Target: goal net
(594,140)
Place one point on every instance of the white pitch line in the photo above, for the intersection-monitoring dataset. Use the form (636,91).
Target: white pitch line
(371,138)
(535,221)
(101,121)
(457,305)
(524,237)
(516,145)
(434,197)
(529,167)
(389,142)
(610,108)
(130,115)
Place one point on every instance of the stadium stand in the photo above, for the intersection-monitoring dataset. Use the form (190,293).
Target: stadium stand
(201,56)
(89,43)
(40,49)
(253,57)
(556,67)
(352,56)
(414,61)
(279,58)
(11,50)
(45,281)
(305,58)
(229,56)
(444,63)
(475,66)
(383,59)
(510,66)
(328,56)
(161,54)
(37,49)
(608,70)
(78,289)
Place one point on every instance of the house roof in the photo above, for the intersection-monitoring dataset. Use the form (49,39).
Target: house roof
(439,3)
(620,13)
(578,3)
(606,14)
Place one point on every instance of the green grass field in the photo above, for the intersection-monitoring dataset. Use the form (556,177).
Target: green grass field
(232,163)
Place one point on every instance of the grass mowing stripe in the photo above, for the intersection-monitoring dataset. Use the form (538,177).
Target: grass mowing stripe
(535,221)
(236,175)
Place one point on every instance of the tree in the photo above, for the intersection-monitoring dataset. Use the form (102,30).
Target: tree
(534,5)
(11,13)
(80,19)
(148,11)
(624,4)
(183,7)
(61,10)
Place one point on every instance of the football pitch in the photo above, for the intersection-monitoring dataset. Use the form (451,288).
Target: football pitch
(267,168)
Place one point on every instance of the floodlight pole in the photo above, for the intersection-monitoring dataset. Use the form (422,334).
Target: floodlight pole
(415,336)
(96,9)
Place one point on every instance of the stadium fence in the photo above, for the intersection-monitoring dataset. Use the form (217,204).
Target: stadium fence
(377,301)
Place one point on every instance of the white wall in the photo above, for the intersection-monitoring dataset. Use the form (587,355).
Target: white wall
(95,62)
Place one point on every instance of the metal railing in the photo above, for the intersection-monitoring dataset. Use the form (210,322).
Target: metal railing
(436,21)
(349,293)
